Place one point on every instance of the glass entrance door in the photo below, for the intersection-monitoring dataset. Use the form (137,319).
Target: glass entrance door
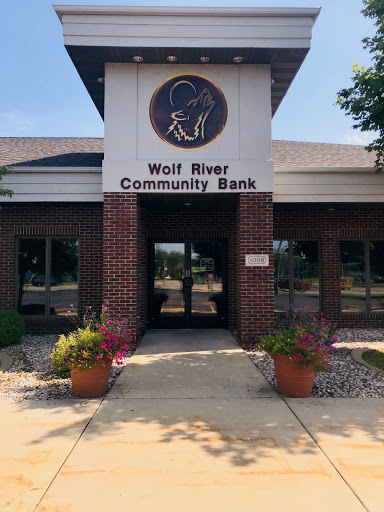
(188,284)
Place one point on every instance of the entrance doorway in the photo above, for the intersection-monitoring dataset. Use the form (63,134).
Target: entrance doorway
(188,284)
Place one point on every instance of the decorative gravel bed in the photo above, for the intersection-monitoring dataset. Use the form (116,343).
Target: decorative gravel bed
(346,377)
(31,377)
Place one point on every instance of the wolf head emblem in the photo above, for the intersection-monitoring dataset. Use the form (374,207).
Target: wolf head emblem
(188,111)
(188,123)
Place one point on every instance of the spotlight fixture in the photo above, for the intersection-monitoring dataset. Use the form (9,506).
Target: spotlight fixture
(171,58)
(238,59)
(204,59)
(101,80)
(187,204)
(138,58)
(331,209)
(273,81)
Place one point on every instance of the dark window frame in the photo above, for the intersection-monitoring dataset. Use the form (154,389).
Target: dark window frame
(367,268)
(48,252)
(291,278)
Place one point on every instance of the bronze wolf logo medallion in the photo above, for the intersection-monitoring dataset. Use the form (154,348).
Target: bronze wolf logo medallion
(188,111)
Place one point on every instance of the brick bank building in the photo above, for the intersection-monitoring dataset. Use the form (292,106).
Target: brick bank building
(187,215)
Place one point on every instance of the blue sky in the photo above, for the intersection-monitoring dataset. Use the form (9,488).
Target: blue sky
(41,94)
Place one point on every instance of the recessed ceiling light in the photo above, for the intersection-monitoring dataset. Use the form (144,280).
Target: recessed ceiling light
(101,80)
(138,58)
(238,59)
(273,81)
(171,58)
(204,59)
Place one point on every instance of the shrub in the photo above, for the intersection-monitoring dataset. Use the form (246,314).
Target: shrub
(308,343)
(12,327)
(101,338)
(75,347)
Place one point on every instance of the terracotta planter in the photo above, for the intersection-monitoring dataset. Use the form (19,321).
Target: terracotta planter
(92,382)
(292,379)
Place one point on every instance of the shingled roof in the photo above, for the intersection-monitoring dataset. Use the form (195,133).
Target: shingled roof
(51,151)
(88,152)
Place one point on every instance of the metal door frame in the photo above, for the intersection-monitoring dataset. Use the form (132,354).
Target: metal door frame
(188,322)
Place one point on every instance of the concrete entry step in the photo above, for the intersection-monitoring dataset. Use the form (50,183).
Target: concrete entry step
(190,364)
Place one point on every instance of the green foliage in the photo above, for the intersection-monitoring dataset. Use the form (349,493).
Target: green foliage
(364,101)
(78,348)
(12,327)
(374,358)
(101,337)
(308,342)
(5,192)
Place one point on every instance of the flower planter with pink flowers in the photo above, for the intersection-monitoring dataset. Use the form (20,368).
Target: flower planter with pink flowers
(87,353)
(299,351)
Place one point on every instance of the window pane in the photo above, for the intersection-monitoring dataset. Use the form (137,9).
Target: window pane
(352,276)
(31,285)
(377,275)
(168,299)
(306,275)
(280,262)
(208,299)
(64,285)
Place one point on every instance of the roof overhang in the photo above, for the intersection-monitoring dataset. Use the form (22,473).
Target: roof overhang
(94,35)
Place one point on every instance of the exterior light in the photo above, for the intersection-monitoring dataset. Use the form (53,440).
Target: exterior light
(171,58)
(204,59)
(101,80)
(331,209)
(273,81)
(238,59)
(138,58)
(187,204)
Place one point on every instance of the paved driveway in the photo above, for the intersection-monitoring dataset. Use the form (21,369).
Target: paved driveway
(192,425)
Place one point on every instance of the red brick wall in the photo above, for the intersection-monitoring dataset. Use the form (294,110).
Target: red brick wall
(255,297)
(330,227)
(80,220)
(127,228)
(121,255)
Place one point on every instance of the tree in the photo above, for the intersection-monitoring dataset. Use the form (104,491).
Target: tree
(5,192)
(364,101)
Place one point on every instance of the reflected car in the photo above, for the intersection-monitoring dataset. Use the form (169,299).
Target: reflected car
(298,285)
(39,280)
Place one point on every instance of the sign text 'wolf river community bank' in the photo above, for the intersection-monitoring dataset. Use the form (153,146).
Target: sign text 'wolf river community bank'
(198,177)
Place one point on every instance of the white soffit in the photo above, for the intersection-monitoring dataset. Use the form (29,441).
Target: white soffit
(94,35)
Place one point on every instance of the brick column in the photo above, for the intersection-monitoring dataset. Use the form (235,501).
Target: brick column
(120,252)
(7,260)
(255,299)
(330,261)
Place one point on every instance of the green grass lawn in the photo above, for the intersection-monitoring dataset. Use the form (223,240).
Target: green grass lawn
(374,358)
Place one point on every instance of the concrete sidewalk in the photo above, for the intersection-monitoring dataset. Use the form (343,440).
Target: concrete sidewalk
(191,424)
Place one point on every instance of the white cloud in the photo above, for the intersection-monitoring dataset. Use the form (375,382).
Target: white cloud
(358,138)
(17,123)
